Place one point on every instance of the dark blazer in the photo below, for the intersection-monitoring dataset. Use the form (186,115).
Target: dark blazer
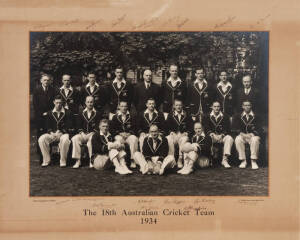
(87,125)
(219,126)
(99,94)
(62,123)
(205,143)
(144,122)
(141,95)
(115,95)
(226,99)
(70,101)
(253,97)
(174,125)
(170,93)
(117,125)
(161,150)
(199,100)
(240,124)
(99,144)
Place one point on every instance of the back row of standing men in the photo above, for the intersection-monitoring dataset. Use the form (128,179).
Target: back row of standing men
(196,101)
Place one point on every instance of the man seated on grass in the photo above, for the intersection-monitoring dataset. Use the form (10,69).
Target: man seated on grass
(197,150)
(155,158)
(105,151)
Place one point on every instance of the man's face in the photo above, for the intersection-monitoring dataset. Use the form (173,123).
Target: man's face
(223,76)
(198,128)
(119,73)
(66,80)
(173,71)
(89,102)
(247,82)
(123,107)
(247,107)
(216,107)
(153,132)
(178,106)
(58,104)
(199,74)
(103,127)
(92,79)
(150,105)
(147,76)
(45,80)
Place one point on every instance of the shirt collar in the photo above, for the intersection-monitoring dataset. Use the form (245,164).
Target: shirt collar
(93,110)
(213,114)
(147,111)
(198,81)
(176,113)
(222,84)
(123,80)
(61,111)
(177,80)
(70,88)
(159,137)
(89,85)
(44,87)
(102,134)
(202,134)
(119,112)
(250,114)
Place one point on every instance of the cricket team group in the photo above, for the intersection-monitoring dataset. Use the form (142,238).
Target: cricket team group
(176,124)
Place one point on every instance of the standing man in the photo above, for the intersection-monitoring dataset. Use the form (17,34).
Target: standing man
(145,90)
(173,88)
(96,91)
(178,126)
(155,158)
(249,93)
(119,90)
(199,95)
(123,128)
(248,130)
(217,126)
(106,151)
(87,124)
(57,125)
(224,94)
(147,118)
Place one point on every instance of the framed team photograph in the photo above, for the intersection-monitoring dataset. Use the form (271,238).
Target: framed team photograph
(152,113)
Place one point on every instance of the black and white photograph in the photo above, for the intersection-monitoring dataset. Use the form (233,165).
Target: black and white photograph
(149,113)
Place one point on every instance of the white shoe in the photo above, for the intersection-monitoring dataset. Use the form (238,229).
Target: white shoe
(187,170)
(120,170)
(254,164)
(77,164)
(62,165)
(243,164)
(225,163)
(132,164)
(179,162)
(145,168)
(124,166)
(45,164)
(91,165)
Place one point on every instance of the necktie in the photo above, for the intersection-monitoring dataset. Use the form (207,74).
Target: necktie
(179,117)
(154,144)
(150,116)
(123,118)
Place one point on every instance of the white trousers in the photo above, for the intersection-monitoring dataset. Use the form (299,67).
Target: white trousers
(253,141)
(176,138)
(80,139)
(102,162)
(227,141)
(198,160)
(141,140)
(131,140)
(64,143)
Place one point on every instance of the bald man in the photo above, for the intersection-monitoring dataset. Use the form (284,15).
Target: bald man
(145,90)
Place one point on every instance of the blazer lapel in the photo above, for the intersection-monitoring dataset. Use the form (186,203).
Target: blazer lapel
(224,94)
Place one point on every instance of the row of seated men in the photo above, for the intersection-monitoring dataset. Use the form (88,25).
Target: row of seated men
(151,138)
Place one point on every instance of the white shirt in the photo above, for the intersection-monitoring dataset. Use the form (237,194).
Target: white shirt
(200,83)
(174,81)
(66,90)
(179,115)
(147,85)
(224,86)
(105,136)
(247,90)
(89,113)
(150,113)
(248,115)
(58,112)
(216,116)
(92,88)
(119,82)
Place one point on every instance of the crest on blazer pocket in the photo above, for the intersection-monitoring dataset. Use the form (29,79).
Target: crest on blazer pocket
(71,101)
(96,98)
(229,97)
(205,95)
(128,125)
(179,93)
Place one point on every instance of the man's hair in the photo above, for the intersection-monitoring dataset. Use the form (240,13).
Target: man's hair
(122,101)
(146,70)
(198,123)
(151,99)
(119,67)
(177,100)
(57,97)
(104,120)
(174,65)
(215,102)
(89,97)
(153,125)
(247,75)
(91,73)
(199,68)
(222,70)
(247,101)
(45,75)
(66,75)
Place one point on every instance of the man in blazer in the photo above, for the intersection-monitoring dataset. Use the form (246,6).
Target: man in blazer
(58,123)
(247,128)
(155,158)
(217,126)
(123,128)
(119,90)
(197,150)
(147,118)
(224,94)
(95,90)
(145,90)
(173,88)
(248,92)
(106,151)
(87,125)
(199,95)
(178,125)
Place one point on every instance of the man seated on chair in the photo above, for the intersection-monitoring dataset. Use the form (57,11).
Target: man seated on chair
(248,130)
(155,158)
(217,126)
(123,128)
(87,123)
(147,118)
(58,123)
(106,151)
(197,150)
(178,125)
